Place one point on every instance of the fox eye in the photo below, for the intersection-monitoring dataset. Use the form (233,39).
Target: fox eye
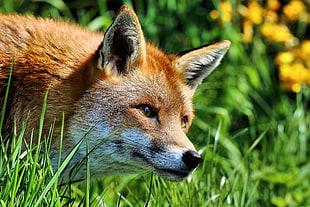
(147,111)
(184,121)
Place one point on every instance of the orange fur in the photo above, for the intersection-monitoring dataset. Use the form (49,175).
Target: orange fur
(47,54)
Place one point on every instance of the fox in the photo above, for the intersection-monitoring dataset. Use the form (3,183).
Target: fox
(130,99)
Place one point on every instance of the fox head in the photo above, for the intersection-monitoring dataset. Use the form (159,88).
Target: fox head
(140,101)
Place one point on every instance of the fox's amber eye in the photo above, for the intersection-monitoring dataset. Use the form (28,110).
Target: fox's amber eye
(184,121)
(147,111)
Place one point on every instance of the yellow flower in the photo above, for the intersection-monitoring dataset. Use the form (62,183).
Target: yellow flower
(305,47)
(267,29)
(285,72)
(226,11)
(294,9)
(284,58)
(254,12)
(303,53)
(299,73)
(296,87)
(247,34)
(276,32)
(307,63)
(294,75)
(271,16)
(282,34)
(273,5)
(242,10)
(214,14)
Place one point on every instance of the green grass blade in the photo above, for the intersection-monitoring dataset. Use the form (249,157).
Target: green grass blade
(37,152)
(256,142)
(78,165)
(6,96)
(87,186)
(55,190)
(60,5)
(16,161)
(58,172)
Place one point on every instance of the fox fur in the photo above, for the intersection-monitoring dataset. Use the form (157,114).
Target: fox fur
(114,86)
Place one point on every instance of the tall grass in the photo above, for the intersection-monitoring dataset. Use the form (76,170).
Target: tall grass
(253,136)
(27,178)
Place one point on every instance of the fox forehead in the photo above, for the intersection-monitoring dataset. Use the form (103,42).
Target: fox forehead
(155,82)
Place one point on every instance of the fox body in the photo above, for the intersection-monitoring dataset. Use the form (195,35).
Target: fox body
(114,86)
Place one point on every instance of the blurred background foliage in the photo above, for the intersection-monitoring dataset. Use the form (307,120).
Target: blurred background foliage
(259,94)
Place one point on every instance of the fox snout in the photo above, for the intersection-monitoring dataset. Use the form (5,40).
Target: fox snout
(174,167)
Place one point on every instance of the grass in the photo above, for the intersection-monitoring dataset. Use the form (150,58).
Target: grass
(253,135)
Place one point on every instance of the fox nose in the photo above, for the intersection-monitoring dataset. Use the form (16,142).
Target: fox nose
(191,158)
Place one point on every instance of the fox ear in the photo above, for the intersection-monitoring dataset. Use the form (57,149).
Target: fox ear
(123,46)
(196,64)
